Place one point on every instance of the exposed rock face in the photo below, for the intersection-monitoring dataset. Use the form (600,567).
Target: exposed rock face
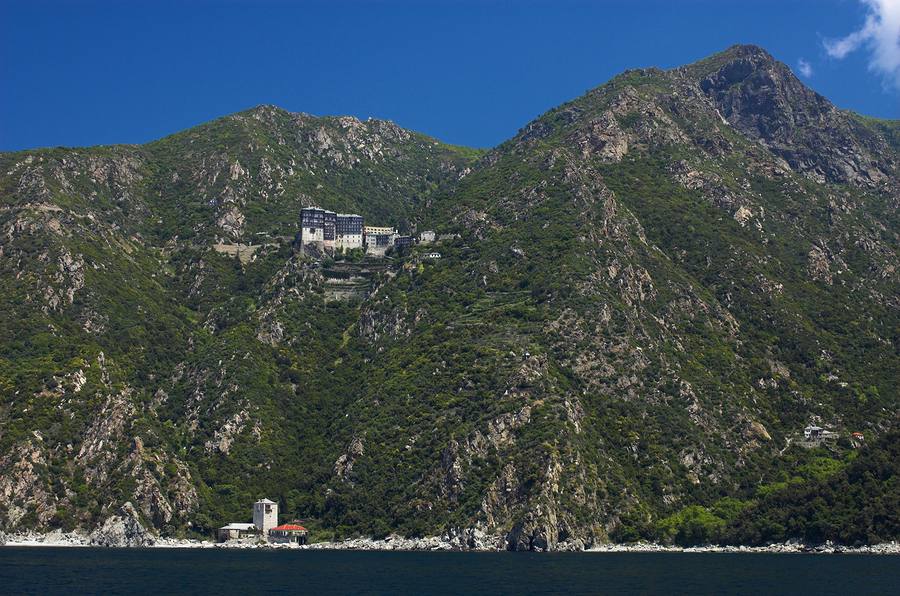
(20,481)
(605,139)
(528,535)
(122,530)
(24,478)
(455,539)
(225,436)
(375,323)
(343,467)
(765,101)
(232,222)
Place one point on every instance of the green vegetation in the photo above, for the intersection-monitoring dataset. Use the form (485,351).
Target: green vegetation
(619,341)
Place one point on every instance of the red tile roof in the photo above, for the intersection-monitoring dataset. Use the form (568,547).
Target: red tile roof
(290,527)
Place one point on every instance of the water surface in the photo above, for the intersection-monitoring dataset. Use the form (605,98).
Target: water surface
(75,571)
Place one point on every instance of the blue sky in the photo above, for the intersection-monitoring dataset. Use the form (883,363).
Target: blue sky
(471,73)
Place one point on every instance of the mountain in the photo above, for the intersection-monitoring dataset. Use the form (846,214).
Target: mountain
(130,274)
(640,302)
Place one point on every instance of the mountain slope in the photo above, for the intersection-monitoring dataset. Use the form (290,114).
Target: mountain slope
(677,305)
(650,290)
(123,296)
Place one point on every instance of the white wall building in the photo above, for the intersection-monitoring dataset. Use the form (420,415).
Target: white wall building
(379,239)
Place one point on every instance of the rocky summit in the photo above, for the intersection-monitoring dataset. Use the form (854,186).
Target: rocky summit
(667,310)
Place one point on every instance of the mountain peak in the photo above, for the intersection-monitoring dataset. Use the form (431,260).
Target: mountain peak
(749,50)
(745,88)
(763,99)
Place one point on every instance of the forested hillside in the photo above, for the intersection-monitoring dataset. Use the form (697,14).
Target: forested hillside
(640,302)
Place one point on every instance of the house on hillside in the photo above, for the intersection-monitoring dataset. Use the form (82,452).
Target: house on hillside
(812,431)
(329,230)
(378,239)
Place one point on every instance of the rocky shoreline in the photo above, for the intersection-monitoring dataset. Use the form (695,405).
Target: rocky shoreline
(482,543)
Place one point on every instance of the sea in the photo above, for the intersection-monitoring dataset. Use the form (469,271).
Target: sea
(155,571)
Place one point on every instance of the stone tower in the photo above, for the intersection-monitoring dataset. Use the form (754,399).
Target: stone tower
(265,515)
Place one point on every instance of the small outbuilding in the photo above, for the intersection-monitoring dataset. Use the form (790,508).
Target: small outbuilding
(236,531)
(288,533)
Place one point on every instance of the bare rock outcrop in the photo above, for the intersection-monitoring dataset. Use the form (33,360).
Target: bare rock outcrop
(124,529)
(762,99)
(343,467)
(232,222)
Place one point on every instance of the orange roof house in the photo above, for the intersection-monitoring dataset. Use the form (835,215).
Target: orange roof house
(288,533)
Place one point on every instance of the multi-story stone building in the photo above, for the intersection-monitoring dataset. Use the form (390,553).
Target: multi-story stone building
(330,231)
(349,229)
(265,515)
(312,226)
(401,243)
(379,239)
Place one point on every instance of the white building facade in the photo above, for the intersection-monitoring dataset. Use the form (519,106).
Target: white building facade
(379,239)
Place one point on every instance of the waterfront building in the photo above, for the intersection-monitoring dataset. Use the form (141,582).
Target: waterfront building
(236,531)
(265,515)
(288,533)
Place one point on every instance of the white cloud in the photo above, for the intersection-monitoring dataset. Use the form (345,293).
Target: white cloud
(804,68)
(880,35)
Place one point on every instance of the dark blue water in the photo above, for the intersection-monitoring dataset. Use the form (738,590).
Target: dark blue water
(73,571)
